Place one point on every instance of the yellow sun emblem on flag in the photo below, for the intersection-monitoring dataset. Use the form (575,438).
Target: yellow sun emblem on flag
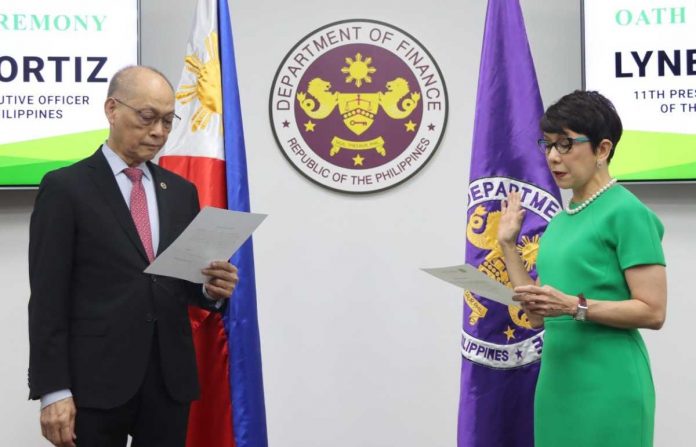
(528,250)
(358,70)
(207,87)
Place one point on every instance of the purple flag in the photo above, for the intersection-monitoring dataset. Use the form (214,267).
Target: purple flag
(500,350)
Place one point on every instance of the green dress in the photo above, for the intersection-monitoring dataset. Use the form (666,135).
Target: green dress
(595,388)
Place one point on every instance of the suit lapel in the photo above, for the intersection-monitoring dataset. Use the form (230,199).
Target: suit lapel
(105,181)
(163,206)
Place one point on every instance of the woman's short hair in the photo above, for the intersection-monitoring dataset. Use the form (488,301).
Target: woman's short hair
(588,113)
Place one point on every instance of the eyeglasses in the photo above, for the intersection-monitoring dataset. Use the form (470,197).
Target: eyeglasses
(563,145)
(148,117)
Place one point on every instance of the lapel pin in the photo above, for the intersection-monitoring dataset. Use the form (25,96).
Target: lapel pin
(163,185)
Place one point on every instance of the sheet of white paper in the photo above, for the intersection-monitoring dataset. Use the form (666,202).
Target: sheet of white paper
(214,234)
(470,278)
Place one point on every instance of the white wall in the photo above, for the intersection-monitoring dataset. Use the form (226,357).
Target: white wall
(359,347)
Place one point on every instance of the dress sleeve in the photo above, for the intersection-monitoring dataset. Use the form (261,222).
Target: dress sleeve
(639,239)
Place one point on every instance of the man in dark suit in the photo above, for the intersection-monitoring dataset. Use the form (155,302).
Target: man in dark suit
(111,347)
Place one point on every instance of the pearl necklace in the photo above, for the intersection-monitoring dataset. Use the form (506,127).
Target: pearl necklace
(584,204)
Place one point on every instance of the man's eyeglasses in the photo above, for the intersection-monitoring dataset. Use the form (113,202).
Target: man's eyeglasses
(563,145)
(149,117)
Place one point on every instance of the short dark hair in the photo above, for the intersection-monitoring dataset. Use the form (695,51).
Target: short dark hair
(588,113)
(120,78)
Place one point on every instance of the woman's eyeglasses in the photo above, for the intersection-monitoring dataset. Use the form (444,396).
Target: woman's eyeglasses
(563,145)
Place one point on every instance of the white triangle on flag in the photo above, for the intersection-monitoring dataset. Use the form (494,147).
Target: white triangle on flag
(199,133)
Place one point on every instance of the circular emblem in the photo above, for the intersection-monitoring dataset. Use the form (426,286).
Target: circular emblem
(492,336)
(358,106)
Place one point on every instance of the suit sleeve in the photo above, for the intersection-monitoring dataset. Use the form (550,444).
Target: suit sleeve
(51,239)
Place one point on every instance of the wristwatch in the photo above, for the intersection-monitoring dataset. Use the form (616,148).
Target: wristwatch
(581,312)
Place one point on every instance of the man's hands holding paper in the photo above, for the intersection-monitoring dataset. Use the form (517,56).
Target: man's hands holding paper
(214,234)
(222,279)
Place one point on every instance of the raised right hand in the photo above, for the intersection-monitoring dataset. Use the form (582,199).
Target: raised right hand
(512,215)
(58,423)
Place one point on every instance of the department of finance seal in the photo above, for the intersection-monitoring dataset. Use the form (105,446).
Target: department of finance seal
(358,106)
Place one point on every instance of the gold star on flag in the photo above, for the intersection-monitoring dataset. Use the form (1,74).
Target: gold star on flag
(410,126)
(510,333)
(309,126)
(358,160)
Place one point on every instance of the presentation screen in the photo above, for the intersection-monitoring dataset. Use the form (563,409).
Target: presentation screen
(642,55)
(56,60)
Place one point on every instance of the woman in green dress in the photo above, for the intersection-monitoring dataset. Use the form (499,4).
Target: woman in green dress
(601,276)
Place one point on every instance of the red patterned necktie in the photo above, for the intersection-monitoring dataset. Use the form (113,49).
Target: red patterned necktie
(138,209)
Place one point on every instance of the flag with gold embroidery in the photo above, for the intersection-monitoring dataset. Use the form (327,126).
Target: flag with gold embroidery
(500,350)
(207,147)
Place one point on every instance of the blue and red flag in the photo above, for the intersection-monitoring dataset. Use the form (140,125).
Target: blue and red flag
(500,350)
(207,147)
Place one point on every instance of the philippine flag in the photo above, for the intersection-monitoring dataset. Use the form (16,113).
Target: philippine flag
(207,147)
